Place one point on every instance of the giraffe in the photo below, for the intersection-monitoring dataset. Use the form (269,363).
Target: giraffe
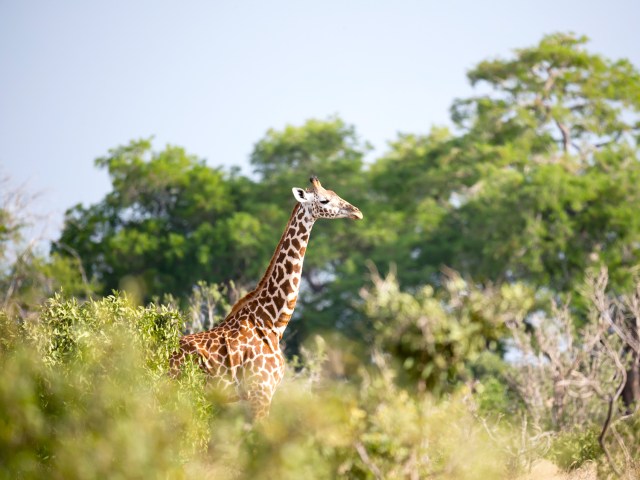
(242,354)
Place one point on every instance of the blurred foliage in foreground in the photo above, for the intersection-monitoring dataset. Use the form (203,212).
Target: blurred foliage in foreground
(85,394)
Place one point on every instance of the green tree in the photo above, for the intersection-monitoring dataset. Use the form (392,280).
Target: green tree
(541,183)
(168,222)
(171,221)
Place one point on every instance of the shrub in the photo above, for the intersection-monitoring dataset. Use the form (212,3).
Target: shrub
(84,394)
(436,335)
(570,450)
(67,330)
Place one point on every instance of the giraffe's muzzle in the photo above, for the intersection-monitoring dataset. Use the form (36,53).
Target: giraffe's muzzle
(356,215)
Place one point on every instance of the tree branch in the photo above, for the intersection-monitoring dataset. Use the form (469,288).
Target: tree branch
(566,135)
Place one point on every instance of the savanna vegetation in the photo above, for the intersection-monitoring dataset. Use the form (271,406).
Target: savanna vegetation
(484,316)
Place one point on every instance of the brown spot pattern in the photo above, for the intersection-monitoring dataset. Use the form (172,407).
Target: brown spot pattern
(242,354)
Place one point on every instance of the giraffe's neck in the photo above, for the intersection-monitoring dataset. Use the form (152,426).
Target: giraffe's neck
(277,291)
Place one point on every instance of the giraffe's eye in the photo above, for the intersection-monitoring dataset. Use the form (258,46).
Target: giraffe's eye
(324,202)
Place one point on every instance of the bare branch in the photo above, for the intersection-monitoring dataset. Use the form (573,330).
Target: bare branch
(566,135)
(364,456)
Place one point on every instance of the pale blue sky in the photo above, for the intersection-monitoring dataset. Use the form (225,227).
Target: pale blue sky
(80,77)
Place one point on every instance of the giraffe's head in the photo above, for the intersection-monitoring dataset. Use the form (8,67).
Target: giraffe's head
(325,203)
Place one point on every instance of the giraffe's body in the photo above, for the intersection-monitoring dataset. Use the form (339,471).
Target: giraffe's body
(242,354)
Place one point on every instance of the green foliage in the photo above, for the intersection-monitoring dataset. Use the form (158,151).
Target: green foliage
(8,230)
(408,435)
(84,393)
(11,221)
(162,226)
(570,450)
(555,85)
(541,183)
(329,146)
(69,331)
(31,279)
(435,336)
(11,334)
(494,396)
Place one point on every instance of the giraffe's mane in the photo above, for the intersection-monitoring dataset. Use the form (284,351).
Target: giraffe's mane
(252,294)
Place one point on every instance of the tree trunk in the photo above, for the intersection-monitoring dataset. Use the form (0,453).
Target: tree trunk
(631,390)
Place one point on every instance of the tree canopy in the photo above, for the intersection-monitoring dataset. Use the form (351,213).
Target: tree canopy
(538,181)
(542,181)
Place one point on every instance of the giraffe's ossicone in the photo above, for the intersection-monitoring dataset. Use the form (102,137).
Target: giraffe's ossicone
(242,353)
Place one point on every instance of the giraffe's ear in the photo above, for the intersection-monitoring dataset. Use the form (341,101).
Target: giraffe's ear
(300,195)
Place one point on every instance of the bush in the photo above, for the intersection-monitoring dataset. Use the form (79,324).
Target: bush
(437,335)
(570,450)
(84,394)
(69,331)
